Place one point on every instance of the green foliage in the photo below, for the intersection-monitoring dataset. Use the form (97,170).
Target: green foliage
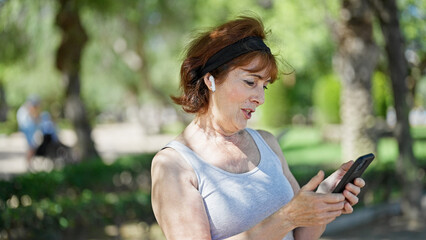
(56,218)
(76,198)
(382,94)
(13,38)
(135,50)
(412,18)
(30,40)
(275,110)
(156,34)
(421,93)
(326,95)
(11,125)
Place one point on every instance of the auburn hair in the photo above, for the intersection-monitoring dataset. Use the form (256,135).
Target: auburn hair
(195,93)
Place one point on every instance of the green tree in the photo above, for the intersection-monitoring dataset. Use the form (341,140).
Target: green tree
(408,172)
(14,47)
(356,59)
(153,33)
(68,61)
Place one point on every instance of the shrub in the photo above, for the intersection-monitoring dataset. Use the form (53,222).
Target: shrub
(77,198)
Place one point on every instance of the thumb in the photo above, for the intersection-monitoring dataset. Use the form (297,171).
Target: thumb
(314,182)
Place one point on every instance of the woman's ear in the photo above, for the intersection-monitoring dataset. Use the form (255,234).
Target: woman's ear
(210,82)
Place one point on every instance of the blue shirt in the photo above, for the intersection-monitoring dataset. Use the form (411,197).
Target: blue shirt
(34,129)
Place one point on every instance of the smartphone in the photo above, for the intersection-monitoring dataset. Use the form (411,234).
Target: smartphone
(354,171)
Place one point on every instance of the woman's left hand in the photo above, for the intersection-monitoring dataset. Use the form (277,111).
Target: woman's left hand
(351,189)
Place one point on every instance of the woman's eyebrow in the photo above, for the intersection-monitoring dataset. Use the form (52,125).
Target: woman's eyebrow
(256,75)
(259,77)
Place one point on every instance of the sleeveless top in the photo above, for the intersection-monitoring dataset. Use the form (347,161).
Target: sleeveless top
(235,202)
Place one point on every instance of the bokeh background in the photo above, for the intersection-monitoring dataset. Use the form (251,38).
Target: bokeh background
(352,81)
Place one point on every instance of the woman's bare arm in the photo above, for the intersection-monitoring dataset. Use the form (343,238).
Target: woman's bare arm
(177,204)
(313,232)
(350,193)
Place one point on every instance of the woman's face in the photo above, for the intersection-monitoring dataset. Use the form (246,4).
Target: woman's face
(236,99)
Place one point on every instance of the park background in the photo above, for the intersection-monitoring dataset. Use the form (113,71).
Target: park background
(104,64)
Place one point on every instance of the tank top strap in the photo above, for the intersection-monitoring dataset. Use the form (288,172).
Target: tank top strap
(190,156)
(258,139)
(263,146)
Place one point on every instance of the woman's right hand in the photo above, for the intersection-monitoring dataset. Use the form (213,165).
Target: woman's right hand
(309,208)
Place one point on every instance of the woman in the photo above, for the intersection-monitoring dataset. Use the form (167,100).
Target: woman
(221,180)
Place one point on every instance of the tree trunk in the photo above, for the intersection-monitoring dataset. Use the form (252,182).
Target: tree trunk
(355,62)
(406,168)
(68,58)
(3,103)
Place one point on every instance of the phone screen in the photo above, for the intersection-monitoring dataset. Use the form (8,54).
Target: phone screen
(354,171)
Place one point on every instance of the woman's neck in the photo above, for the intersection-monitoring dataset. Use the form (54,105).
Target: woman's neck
(205,127)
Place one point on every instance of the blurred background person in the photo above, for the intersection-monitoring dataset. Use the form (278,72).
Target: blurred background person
(38,128)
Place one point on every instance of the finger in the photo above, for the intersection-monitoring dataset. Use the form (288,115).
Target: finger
(348,208)
(350,197)
(329,217)
(332,197)
(314,182)
(335,206)
(345,166)
(359,182)
(353,189)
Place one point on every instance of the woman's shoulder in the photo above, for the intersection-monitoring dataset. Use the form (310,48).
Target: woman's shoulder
(265,134)
(167,158)
(168,161)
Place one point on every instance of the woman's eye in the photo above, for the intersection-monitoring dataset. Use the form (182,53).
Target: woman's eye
(265,87)
(249,83)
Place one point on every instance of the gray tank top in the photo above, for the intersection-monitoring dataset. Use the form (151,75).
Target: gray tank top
(236,202)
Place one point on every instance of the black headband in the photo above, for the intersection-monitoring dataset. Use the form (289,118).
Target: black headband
(226,54)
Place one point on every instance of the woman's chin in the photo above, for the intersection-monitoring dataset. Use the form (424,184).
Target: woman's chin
(242,125)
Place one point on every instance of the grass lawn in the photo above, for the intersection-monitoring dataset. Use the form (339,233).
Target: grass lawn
(305,146)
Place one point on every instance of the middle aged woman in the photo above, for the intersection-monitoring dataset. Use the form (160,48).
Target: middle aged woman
(221,180)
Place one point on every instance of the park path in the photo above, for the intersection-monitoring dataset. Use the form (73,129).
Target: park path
(111,140)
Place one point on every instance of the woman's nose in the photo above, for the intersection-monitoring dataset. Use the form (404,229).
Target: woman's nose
(259,96)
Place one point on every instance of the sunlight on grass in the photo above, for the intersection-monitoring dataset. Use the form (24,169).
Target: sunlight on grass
(304,145)
(301,137)
(419,132)
(387,150)
(322,154)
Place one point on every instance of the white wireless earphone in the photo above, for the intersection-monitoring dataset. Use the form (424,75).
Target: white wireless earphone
(211,79)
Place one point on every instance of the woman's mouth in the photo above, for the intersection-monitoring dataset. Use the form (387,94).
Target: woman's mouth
(247,113)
